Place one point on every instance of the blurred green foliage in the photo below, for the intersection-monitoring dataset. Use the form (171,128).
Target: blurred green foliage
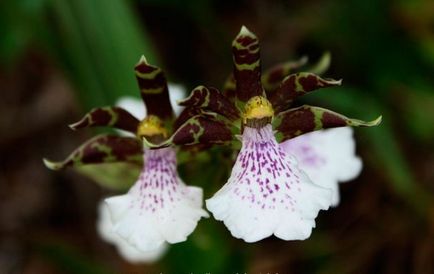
(97,42)
(392,76)
(70,260)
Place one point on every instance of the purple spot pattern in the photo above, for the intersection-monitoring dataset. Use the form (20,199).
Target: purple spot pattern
(159,186)
(264,175)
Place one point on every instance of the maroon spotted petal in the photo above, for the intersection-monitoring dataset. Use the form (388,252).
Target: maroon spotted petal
(153,89)
(211,99)
(108,116)
(185,115)
(304,119)
(273,76)
(247,66)
(102,149)
(297,85)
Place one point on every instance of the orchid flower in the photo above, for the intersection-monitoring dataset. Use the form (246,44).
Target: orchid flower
(267,192)
(327,156)
(159,208)
(136,107)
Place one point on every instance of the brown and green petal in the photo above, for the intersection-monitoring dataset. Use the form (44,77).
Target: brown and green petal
(304,119)
(153,89)
(108,116)
(212,100)
(200,129)
(296,85)
(186,114)
(247,66)
(272,77)
(102,149)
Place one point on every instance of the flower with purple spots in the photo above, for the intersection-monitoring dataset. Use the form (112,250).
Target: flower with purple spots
(277,185)
(159,208)
(267,193)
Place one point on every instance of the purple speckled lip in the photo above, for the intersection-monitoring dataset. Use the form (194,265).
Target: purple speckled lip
(158,185)
(267,193)
(264,174)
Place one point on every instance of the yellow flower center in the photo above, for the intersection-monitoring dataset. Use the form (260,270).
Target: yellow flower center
(258,107)
(151,126)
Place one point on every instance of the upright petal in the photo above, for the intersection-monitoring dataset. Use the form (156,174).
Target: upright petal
(153,89)
(159,208)
(136,107)
(267,193)
(327,156)
(247,65)
(126,250)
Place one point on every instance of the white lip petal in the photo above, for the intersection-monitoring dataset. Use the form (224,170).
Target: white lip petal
(159,208)
(127,251)
(133,255)
(327,156)
(267,193)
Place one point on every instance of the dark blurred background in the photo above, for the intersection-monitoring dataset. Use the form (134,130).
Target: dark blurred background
(60,58)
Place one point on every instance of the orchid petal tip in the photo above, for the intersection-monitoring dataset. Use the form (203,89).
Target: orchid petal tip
(244,31)
(74,126)
(51,165)
(143,60)
(377,121)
